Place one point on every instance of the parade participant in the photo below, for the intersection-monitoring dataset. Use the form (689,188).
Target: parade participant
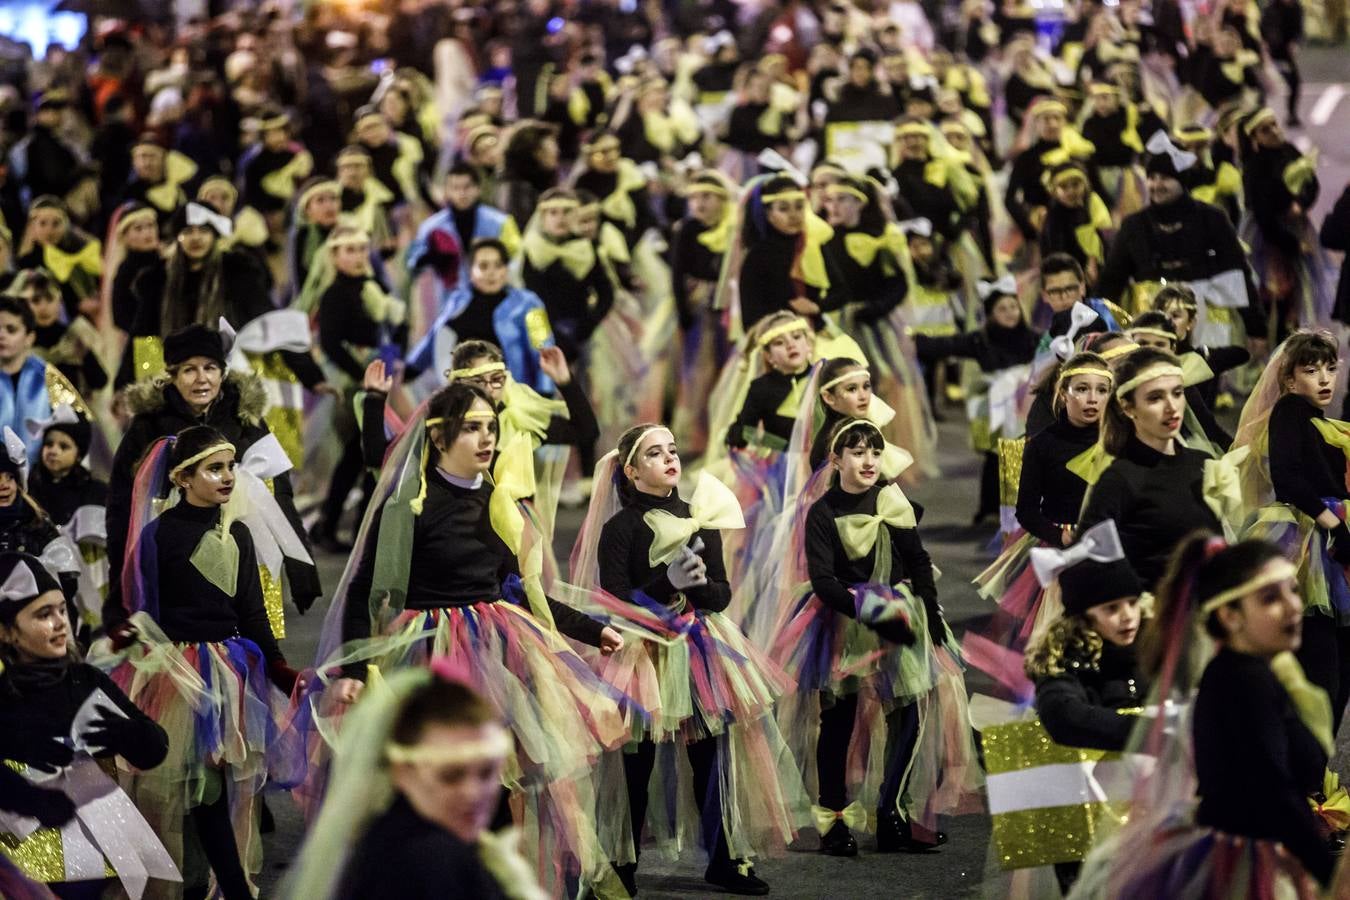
(529,168)
(436,510)
(651,125)
(416,783)
(565,272)
(47,695)
(619,184)
(658,559)
(1295,475)
(1179,304)
(136,236)
(157,176)
(758,121)
(1050,142)
(317,210)
(364,200)
(935,187)
(271,169)
(854,105)
(191,600)
(868,647)
(465,220)
(33,387)
(1254,746)
(75,259)
(1211,180)
(248,228)
(196,389)
(25,527)
(1202,430)
(65,345)
(45,162)
(771,404)
(1153,486)
(1223,71)
(1077,219)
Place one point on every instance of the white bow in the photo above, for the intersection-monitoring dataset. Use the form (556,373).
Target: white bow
(1004,388)
(19,585)
(1080,317)
(201,215)
(770,158)
(282,329)
(61,556)
(1100,543)
(62,414)
(919,226)
(17,451)
(1003,286)
(273,536)
(1160,143)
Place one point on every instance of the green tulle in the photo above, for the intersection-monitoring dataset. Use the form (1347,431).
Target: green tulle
(217,558)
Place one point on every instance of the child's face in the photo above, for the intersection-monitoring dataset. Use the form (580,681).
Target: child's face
(556,222)
(15,338)
(1182,319)
(789,353)
(920,248)
(1071,192)
(141,236)
(586,223)
(47,226)
(59,453)
(352,258)
(9,488)
(46,306)
(1007,312)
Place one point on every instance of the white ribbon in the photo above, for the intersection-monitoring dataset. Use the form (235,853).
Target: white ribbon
(1160,143)
(61,556)
(87,523)
(17,452)
(273,536)
(1003,390)
(282,329)
(1080,317)
(62,414)
(19,585)
(227,335)
(1007,285)
(919,226)
(1100,543)
(200,215)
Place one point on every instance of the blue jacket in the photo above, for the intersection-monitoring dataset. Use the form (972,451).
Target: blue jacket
(511,321)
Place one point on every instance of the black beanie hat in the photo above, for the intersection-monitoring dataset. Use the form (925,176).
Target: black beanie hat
(23,579)
(79,431)
(1091,583)
(194,340)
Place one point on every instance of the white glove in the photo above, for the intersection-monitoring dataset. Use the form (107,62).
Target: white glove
(688,570)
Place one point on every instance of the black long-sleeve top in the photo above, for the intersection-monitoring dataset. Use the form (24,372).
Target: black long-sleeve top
(344,323)
(1255,761)
(1104,132)
(1059,231)
(258,166)
(744,133)
(457,560)
(124,302)
(1048,494)
(993,347)
(602,184)
(766,395)
(875,289)
(191,608)
(575,307)
(1304,468)
(1025,191)
(692,265)
(1155,500)
(431,862)
(1219,360)
(1185,240)
(935,203)
(1080,708)
(766,282)
(59,498)
(1270,200)
(626,541)
(831,571)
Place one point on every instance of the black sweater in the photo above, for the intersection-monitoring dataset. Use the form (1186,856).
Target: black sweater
(344,323)
(831,571)
(1080,707)
(626,541)
(457,560)
(575,307)
(1155,501)
(766,282)
(935,203)
(691,266)
(430,862)
(766,394)
(1048,494)
(60,498)
(874,290)
(1304,468)
(993,347)
(124,302)
(1255,760)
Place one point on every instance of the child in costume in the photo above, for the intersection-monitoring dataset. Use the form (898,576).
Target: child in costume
(133,248)
(73,257)
(271,169)
(1077,220)
(68,714)
(565,272)
(658,562)
(873,661)
(33,387)
(1202,431)
(193,603)
(364,201)
(69,346)
(415,788)
(774,398)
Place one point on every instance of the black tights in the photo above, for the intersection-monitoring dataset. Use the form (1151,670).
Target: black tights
(989,496)
(345,476)
(836,730)
(1287,65)
(1325,657)
(216,833)
(637,771)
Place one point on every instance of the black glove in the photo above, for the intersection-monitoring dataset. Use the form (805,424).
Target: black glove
(895,631)
(52,808)
(1338,543)
(937,628)
(303,602)
(38,751)
(123,635)
(282,675)
(140,742)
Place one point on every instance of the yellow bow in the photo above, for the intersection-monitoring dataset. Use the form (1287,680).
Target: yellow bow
(832,343)
(792,403)
(281,183)
(812,262)
(577,254)
(88,258)
(250,229)
(1298,173)
(1194,369)
(713,506)
(404,168)
(380,306)
(859,532)
(1335,809)
(1310,701)
(718,237)
(1089,235)
(1221,486)
(525,412)
(864,247)
(513,481)
(177,169)
(1091,463)
(854,817)
(1130,136)
(618,206)
(1336,433)
(894,460)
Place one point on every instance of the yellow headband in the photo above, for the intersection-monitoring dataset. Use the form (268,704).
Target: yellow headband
(1278,573)
(1191,135)
(1087,370)
(473,415)
(136,215)
(835,382)
(912,128)
(1156,332)
(588,208)
(349,239)
(797,194)
(559,203)
(855,424)
(829,167)
(1066,174)
(1157,370)
(217,181)
(1262,116)
(1124,348)
(367,119)
(632,451)
(280,121)
(706,187)
(603,143)
(1102,89)
(484,369)
(1046,106)
(787,327)
(497,747)
(198,457)
(849,189)
(323,187)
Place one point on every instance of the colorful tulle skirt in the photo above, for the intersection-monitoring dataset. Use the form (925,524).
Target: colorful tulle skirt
(758,478)
(1321,580)
(226,726)
(1302,288)
(561,715)
(1025,609)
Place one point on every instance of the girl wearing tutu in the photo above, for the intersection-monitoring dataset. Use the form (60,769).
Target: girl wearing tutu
(193,648)
(1296,482)
(1253,747)
(68,713)
(416,782)
(658,562)
(438,511)
(879,712)
(774,398)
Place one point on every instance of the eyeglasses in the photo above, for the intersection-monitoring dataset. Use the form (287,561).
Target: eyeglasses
(494,382)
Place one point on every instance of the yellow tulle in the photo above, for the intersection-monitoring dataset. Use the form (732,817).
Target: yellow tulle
(858,532)
(713,506)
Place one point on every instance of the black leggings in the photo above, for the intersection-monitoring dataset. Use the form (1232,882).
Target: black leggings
(346,474)
(1287,65)
(637,771)
(989,496)
(215,831)
(1325,657)
(836,730)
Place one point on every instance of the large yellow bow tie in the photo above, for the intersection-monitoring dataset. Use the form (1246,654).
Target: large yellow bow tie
(858,532)
(864,247)
(1334,432)
(853,816)
(718,237)
(513,480)
(1221,486)
(88,258)
(1091,463)
(525,412)
(713,506)
(1310,701)
(281,183)
(1194,369)
(577,254)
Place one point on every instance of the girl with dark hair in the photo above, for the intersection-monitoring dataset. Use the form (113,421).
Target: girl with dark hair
(871,655)
(1253,746)
(68,714)
(442,506)
(657,560)
(619,184)
(1201,430)
(529,168)
(565,271)
(192,601)
(50,241)
(1153,488)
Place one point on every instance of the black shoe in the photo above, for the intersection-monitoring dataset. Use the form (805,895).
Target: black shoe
(894,836)
(838,841)
(266,824)
(321,537)
(628,875)
(736,877)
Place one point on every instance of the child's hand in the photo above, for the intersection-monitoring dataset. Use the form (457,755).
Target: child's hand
(804,307)
(378,378)
(553,364)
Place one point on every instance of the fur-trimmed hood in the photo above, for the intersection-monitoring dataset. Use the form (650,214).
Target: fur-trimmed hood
(243,391)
